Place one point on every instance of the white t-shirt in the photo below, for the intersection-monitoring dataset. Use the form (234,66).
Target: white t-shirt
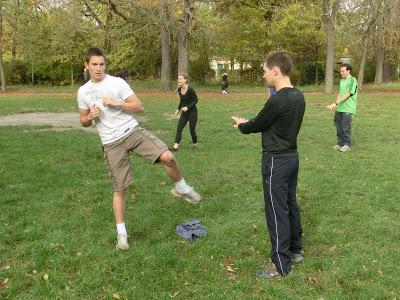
(113,123)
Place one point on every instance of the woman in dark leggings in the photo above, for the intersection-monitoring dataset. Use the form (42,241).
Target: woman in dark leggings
(187,108)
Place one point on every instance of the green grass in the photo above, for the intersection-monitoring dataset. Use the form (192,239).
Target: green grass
(212,86)
(57,215)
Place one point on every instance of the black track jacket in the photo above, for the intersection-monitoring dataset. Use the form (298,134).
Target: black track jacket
(279,122)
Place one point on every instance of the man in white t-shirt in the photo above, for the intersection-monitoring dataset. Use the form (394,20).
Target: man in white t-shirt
(109,102)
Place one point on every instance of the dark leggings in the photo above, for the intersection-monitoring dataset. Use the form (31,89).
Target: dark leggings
(190,116)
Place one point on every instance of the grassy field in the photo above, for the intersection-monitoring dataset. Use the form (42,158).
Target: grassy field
(57,233)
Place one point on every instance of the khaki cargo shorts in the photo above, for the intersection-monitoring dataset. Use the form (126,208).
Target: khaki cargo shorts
(116,155)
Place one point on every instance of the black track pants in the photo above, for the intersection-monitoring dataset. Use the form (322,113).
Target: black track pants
(281,211)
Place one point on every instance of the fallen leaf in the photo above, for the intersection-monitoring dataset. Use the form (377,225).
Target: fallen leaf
(228,265)
(116,296)
(314,280)
(174,294)
(78,253)
(333,248)
(7,267)
(3,284)
(229,268)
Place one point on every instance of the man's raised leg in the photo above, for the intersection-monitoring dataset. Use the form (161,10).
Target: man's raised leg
(181,189)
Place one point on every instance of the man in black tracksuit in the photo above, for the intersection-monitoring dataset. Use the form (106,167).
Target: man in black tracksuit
(279,123)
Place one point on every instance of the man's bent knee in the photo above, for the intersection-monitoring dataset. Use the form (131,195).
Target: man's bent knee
(167,158)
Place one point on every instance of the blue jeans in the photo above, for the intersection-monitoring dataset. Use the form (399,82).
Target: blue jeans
(342,123)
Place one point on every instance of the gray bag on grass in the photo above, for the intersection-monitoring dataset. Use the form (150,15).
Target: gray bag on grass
(191,230)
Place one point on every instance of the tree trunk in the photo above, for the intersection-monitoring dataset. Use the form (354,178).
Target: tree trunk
(13,57)
(330,57)
(72,75)
(2,76)
(165,49)
(379,64)
(33,74)
(329,20)
(379,48)
(316,67)
(183,56)
(13,64)
(364,50)
(387,71)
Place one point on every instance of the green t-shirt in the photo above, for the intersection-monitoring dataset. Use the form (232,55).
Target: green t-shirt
(348,85)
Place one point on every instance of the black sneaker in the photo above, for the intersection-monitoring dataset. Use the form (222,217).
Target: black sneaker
(296,257)
(269,273)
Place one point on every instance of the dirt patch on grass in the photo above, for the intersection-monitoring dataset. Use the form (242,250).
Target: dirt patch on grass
(57,121)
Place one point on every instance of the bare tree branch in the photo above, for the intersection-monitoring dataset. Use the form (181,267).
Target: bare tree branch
(114,8)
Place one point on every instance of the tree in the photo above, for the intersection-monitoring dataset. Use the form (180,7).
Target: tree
(386,37)
(330,11)
(13,13)
(301,37)
(2,76)
(33,38)
(165,48)
(241,34)
(361,18)
(68,36)
(380,45)
(185,22)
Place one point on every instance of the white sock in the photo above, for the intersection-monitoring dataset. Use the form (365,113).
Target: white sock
(121,229)
(181,186)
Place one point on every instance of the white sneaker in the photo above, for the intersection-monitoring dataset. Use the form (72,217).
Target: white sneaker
(122,242)
(191,196)
(336,147)
(345,148)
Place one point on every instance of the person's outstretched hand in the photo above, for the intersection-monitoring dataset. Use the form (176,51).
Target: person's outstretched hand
(238,121)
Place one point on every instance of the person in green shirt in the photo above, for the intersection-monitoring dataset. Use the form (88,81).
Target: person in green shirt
(344,106)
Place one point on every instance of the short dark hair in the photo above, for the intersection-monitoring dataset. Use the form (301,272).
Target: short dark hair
(281,60)
(347,66)
(185,76)
(94,52)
